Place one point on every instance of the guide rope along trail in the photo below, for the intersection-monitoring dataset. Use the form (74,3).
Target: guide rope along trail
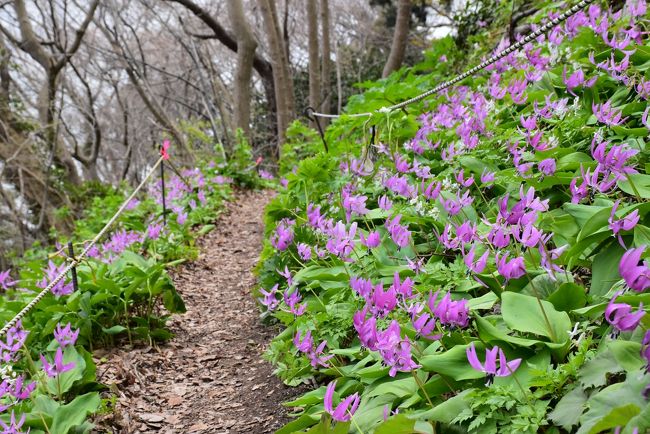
(74,261)
(498,56)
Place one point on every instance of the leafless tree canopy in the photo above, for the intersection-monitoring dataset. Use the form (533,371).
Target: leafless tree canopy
(88,89)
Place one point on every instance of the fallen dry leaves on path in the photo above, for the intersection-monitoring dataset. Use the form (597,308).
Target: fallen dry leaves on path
(210,378)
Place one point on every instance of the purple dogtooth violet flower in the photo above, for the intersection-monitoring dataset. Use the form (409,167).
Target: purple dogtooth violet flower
(447,240)
(637,277)
(517,89)
(305,343)
(363,287)
(400,185)
(460,178)
(548,256)
(345,410)
(424,326)
(58,367)
(450,313)
(405,289)
(416,265)
(366,328)
(373,240)
(395,351)
(529,123)
(353,205)
(528,235)
(341,242)
(498,236)
(431,191)
(16,388)
(15,339)
(402,164)
(626,223)
(283,235)
(547,166)
(317,358)
(513,269)
(14,426)
(385,203)
(304,251)
(614,160)
(314,216)
(287,275)
(487,177)
(292,299)
(61,288)
(269,300)
(398,233)
(65,336)
(490,366)
(620,315)
(5,280)
(475,266)
(576,80)
(466,232)
(154,230)
(383,302)
(607,114)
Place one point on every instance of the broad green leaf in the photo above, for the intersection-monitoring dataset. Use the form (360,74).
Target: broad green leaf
(401,424)
(568,296)
(605,270)
(527,314)
(452,363)
(569,409)
(74,413)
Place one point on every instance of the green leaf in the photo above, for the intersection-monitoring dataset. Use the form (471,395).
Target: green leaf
(568,296)
(605,270)
(594,372)
(73,414)
(615,406)
(636,183)
(452,363)
(401,424)
(569,409)
(449,409)
(527,314)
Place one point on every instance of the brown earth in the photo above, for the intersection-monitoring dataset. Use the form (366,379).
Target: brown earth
(210,378)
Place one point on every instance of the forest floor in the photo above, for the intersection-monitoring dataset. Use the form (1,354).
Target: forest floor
(209,378)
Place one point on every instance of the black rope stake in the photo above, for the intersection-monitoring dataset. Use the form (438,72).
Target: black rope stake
(309,112)
(162,180)
(372,135)
(75,282)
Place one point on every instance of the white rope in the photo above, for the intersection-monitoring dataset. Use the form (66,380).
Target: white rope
(514,47)
(76,261)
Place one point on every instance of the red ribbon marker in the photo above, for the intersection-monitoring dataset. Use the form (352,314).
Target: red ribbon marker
(163,150)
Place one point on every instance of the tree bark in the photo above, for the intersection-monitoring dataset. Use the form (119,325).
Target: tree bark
(5,79)
(281,77)
(326,62)
(314,64)
(246,46)
(400,38)
(263,67)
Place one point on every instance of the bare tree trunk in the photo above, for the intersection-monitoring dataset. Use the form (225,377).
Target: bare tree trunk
(281,77)
(262,66)
(5,79)
(400,38)
(326,62)
(246,45)
(339,84)
(314,64)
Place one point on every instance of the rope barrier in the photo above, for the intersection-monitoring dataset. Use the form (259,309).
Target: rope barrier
(74,261)
(514,47)
(308,112)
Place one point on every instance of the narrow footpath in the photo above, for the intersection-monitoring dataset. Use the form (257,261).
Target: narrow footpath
(210,378)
